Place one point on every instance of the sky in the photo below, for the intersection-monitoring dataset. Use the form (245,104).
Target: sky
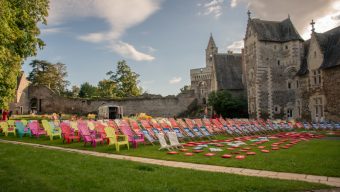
(161,40)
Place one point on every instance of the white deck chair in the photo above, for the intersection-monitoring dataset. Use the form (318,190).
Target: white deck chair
(162,142)
(174,140)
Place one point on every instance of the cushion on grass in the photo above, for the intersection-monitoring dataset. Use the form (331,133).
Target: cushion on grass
(235,152)
(210,154)
(219,145)
(226,156)
(246,148)
(261,147)
(264,151)
(189,145)
(240,157)
(251,153)
(172,152)
(231,148)
(197,151)
(275,148)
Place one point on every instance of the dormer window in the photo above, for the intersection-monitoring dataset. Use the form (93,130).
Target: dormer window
(315,77)
(286,46)
(314,54)
(278,62)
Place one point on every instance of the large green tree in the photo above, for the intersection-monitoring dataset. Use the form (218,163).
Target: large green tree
(226,105)
(88,91)
(18,40)
(107,88)
(126,80)
(51,75)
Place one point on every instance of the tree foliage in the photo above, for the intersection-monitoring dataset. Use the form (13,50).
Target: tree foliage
(227,105)
(126,80)
(107,88)
(48,74)
(18,40)
(87,90)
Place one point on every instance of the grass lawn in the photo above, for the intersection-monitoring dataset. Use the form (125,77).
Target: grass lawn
(316,157)
(24,168)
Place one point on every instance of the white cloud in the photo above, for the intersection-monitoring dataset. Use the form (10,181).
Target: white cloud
(236,46)
(212,7)
(175,80)
(233,3)
(119,14)
(129,51)
(150,49)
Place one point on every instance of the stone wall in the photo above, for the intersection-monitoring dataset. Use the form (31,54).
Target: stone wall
(331,84)
(50,102)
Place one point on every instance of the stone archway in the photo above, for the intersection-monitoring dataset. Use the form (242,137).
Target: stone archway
(34,105)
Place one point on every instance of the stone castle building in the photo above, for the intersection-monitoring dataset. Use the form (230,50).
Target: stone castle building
(223,71)
(287,77)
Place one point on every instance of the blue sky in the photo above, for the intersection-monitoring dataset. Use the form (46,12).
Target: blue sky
(160,39)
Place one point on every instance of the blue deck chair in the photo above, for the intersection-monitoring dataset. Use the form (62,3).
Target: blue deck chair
(189,132)
(22,130)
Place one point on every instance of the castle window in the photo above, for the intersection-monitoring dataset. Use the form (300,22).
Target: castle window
(289,85)
(316,77)
(314,54)
(278,62)
(297,83)
(286,46)
(275,47)
(289,113)
(318,107)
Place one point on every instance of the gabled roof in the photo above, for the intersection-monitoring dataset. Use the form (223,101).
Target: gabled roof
(278,31)
(330,46)
(228,69)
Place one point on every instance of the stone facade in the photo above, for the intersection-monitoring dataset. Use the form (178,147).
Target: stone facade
(20,105)
(280,68)
(223,71)
(43,100)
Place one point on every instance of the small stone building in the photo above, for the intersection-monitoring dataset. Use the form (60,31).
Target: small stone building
(223,71)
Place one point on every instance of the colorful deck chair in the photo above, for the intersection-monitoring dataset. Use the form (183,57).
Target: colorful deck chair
(174,140)
(22,130)
(35,128)
(163,142)
(87,136)
(67,133)
(113,138)
(146,126)
(176,128)
(6,129)
(133,138)
(51,130)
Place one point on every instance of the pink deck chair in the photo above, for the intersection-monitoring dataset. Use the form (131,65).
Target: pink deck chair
(36,130)
(133,138)
(87,136)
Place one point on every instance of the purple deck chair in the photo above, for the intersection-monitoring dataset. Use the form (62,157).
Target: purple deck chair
(133,138)
(87,136)
(36,130)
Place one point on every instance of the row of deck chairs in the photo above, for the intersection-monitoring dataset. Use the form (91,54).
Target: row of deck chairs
(125,131)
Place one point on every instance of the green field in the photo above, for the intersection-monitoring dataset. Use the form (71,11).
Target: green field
(316,157)
(24,168)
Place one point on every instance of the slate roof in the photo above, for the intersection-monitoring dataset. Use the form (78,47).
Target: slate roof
(277,31)
(228,69)
(329,43)
(330,46)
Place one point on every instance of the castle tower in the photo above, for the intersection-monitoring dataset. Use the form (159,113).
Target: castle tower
(210,52)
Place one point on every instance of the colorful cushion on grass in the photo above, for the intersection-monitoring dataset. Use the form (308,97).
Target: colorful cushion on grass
(275,148)
(226,156)
(264,151)
(251,153)
(184,150)
(172,152)
(240,157)
(210,154)
(197,151)
(261,147)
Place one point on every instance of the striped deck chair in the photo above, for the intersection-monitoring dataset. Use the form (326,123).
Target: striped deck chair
(146,126)
(176,129)
(156,128)
(174,140)
(185,128)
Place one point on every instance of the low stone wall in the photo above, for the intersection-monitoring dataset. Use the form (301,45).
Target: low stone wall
(50,102)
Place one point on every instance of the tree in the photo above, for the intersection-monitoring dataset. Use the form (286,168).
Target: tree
(185,88)
(51,75)
(18,40)
(227,105)
(87,90)
(126,80)
(75,91)
(107,88)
